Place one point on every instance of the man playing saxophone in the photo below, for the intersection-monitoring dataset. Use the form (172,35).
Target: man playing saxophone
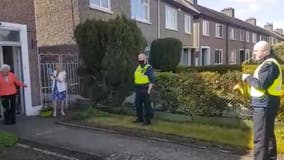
(265,94)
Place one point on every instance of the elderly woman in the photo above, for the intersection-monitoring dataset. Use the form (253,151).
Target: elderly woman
(8,84)
(59,87)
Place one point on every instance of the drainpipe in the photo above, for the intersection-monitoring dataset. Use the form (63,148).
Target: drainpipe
(72,13)
(159,20)
(227,43)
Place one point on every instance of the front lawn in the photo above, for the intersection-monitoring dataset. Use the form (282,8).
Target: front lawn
(7,140)
(240,137)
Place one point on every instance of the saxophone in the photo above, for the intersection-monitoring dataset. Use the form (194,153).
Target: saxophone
(241,87)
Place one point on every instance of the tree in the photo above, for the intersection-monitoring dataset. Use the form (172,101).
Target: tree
(278,50)
(107,50)
(165,53)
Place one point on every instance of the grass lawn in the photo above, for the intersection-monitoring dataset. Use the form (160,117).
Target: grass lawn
(7,140)
(241,137)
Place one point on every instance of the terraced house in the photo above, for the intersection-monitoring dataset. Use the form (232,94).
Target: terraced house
(209,37)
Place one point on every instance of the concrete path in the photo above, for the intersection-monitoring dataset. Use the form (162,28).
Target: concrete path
(109,145)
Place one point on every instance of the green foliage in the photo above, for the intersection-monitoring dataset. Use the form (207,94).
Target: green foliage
(107,50)
(187,93)
(279,50)
(7,140)
(46,112)
(165,53)
(88,112)
(214,68)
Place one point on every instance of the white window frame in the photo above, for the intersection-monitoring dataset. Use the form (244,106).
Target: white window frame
(136,8)
(242,35)
(100,7)
(254,37)
(171,10)
(247,54)
(247,36)
(233,34)
(205,28)
(188,57)
(222,56)
(233,57)
(187,24)
(208,62)
(219,34)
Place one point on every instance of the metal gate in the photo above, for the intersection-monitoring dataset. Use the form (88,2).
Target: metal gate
(70,64)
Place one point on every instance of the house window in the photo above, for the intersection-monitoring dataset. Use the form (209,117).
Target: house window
(233,34)
(171,18)
(242,35)
(9,36)
(254,38)
(187,23)
(247,54)
(218,56)
(219,30)
(140,10)
(104,5)
(233,57)
(247,36)
(205,28)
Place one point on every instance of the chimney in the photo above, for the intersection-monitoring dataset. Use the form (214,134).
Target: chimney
(268,26)
(251,21)
(192,1)
(229,12)
(279,30)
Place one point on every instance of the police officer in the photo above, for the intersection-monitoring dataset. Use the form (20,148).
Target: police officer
(265,94)
(144,81)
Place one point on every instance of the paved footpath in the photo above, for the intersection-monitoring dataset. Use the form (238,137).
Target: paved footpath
(110,146)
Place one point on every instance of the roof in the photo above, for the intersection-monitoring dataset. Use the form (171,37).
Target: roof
(182,4)
(277,35)
(223,18)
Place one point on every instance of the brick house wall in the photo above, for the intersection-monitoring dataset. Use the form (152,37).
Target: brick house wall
(15,11)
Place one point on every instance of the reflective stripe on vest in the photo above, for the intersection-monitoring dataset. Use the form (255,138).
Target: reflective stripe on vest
(275,88)
(139,75)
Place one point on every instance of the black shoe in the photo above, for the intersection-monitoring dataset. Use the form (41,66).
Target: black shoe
(147,123)
(138,121)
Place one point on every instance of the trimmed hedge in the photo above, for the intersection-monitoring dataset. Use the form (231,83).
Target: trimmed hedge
(189,93)
(165,53)
(214,68)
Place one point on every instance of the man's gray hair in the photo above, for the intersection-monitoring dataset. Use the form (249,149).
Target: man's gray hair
(5,66)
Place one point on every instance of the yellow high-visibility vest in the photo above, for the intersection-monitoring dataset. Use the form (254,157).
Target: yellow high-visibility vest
(275,88)
(139,75)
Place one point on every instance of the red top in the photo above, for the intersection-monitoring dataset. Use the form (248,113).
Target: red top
(9,87)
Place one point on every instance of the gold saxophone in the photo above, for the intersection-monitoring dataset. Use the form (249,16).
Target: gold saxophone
(241,87)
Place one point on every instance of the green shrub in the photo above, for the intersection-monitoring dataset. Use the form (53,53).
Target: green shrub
(186,93)
(279,51)
(107,49)
(165,53)
(214,68)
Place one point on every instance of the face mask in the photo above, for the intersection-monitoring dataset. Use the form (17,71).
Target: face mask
(141,62)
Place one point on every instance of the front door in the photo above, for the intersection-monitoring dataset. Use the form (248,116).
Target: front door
(205,57)
(11,55)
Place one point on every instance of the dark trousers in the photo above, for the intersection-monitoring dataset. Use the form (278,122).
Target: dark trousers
(9,105)
(264,137)
(144,111)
